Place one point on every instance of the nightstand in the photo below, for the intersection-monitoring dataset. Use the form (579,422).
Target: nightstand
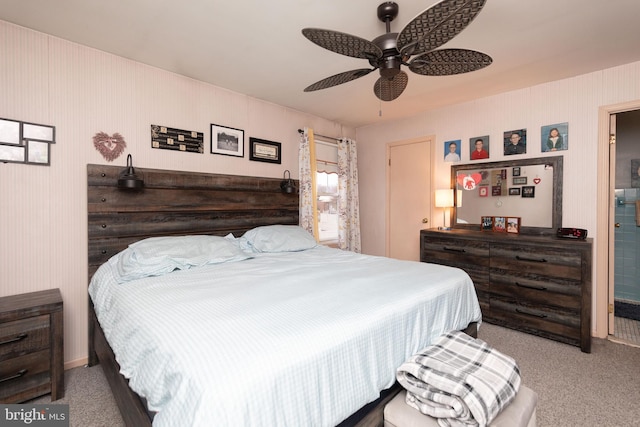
(31,346)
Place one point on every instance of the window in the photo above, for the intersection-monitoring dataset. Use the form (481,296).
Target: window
(327,191)
(327,188)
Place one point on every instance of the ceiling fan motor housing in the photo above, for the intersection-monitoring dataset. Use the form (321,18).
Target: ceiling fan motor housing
(389,64)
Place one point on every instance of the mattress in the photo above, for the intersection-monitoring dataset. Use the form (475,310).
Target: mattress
(289,339)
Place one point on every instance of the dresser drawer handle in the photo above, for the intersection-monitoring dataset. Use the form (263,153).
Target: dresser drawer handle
(16,339)
(520,258)
(541,316)
(19,374)
(445,248)
(537,288)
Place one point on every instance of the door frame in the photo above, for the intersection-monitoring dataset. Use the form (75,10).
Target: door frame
(605,216)
(430,139)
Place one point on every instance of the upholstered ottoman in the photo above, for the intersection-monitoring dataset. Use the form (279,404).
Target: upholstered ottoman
(520,413)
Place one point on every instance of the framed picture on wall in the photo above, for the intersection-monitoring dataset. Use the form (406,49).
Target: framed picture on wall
(452,151)
(515,142)
(555,137)
(227,141)
(261,150)
(479,147)
(529,191)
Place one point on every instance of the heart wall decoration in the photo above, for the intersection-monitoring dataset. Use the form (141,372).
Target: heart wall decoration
(109,146)
(470,181)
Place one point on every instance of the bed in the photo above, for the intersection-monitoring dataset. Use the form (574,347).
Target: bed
(331,326)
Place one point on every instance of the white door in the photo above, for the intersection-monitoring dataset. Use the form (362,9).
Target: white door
(408,196)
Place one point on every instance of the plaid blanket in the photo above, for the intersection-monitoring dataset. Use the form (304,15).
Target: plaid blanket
(460,380)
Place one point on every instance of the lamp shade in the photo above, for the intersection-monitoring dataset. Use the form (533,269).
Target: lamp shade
(444,198)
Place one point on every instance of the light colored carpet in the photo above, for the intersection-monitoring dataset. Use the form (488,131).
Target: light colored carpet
(575,389)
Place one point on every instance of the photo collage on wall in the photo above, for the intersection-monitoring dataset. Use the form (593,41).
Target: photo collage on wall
(553,137)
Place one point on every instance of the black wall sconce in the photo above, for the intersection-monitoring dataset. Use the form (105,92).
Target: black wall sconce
(128,179)
(287,186)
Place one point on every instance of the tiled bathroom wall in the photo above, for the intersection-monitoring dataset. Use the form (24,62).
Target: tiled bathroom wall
(627,246)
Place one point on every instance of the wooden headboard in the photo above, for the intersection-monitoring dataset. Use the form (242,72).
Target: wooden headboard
(178,203)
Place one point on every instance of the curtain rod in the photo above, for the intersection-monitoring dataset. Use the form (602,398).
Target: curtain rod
(300,131)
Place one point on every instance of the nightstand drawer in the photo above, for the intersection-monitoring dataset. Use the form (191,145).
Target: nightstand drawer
(31,346)
(25,374)
(24,336)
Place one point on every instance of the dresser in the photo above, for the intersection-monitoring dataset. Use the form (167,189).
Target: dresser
(536,284)
(31,346)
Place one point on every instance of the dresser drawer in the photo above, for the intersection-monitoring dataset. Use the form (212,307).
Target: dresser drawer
(24,374)
(24,336)
(455,250)
(543,261)
(563,325)
(551,291)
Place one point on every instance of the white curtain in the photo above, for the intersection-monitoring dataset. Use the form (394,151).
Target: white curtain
(308,195)
(348,201)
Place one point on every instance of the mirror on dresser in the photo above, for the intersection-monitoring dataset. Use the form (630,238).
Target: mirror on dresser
(528,188)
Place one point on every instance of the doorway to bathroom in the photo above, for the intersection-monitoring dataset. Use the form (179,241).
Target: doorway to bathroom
(626,227)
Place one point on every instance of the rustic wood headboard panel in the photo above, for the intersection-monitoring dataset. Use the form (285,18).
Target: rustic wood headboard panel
(178,203)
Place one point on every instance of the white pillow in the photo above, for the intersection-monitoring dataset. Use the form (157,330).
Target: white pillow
(160,255)
(279,238)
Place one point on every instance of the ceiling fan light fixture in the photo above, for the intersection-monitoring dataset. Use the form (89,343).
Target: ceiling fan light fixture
(390,67)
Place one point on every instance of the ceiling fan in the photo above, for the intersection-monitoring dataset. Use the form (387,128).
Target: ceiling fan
(415,47)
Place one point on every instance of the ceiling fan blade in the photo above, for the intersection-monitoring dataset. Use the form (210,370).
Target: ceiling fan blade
(446,62)
(342,43)
(338,79)
(437,25)
(390,89)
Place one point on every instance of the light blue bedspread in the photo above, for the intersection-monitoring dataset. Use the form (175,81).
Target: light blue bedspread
(288,339)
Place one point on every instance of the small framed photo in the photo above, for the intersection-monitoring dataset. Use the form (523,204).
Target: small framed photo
(486,223)
(515,171)
(515,142)
(479,147)
(554,137)
(529,191)
(514,191)
(261,150)
(38,152)
(499,224)
(10,153)
(513,225)
(227,141)
(520,180)
(10,132)
(37,132)
(483,191)
(452,151)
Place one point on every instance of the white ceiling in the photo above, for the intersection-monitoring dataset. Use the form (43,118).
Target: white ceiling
(255,47)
